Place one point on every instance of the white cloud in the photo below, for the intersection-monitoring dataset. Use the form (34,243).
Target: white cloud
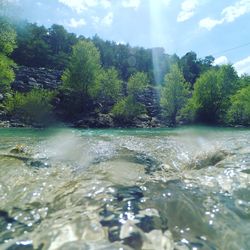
(221,60)
(81,5)
(228,14)
(131,4)
(188,8)
(243,66)
(76,23)
(108,19)
(232,12)
(209,23)
(105,21)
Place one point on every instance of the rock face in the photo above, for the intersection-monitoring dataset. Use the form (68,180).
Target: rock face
(150,98)
(30,78)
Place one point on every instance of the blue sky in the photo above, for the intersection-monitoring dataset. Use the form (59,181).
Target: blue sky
(204,26)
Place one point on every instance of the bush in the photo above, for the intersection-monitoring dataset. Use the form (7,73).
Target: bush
(239,111)
(127,109)
(31,108)
(6,73)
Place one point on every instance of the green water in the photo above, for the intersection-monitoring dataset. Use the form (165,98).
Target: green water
(183,188)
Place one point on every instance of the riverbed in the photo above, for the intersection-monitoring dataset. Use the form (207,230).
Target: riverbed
(182,188)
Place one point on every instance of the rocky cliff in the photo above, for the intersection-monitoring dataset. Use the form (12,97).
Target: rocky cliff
(30,78)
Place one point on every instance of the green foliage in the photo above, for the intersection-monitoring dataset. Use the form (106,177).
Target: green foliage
(137,83)
(6,73)
(80,79)
(31,108)
(228,82)
(190,66)
(212,92)
(244,81)
(110,86)
(7,45)
(127,109)
(239,111)
(42,47)
(7,37)
(206,97)
(33,49)
(174,94)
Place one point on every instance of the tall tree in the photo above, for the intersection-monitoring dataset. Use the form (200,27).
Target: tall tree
(110,87)
(137,83)
(174,94)
(7,45)
(239,111)
(190,66)
(33,49)
(129,107)
(212,93)
(80,79)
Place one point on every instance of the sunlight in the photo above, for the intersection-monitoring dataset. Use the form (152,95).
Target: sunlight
(158,36)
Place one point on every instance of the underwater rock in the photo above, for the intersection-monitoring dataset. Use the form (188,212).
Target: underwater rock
(125,219)
(19,149)
(206,160)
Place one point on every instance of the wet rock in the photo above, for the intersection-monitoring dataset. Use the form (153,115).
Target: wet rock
(96,121)
(5,124)
(10,227)
(39,164)
(134,240)
(209,159)
(122,172)
(126,221)
(18,149)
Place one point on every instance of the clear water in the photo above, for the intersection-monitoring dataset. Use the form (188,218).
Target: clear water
(184,188)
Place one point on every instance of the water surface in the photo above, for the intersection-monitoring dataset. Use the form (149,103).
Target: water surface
(184,188)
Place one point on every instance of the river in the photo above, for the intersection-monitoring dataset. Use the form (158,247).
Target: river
(183,188)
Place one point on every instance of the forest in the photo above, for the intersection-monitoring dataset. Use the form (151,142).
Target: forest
(104,77)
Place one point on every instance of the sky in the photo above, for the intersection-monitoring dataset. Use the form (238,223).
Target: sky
(207,27)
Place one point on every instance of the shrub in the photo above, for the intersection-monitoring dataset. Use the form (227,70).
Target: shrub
(127,109)
(239,111)
(6,73)
(31,108)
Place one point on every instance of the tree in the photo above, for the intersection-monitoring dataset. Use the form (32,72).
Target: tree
(6,73)
(137,83)
(174,94)
(239,111)
(80,79)
(228,82)
(33,49)
(190,67)
(110,87)
(7,37)
(212,92)
(7,45)
(206,98)
(130,107)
